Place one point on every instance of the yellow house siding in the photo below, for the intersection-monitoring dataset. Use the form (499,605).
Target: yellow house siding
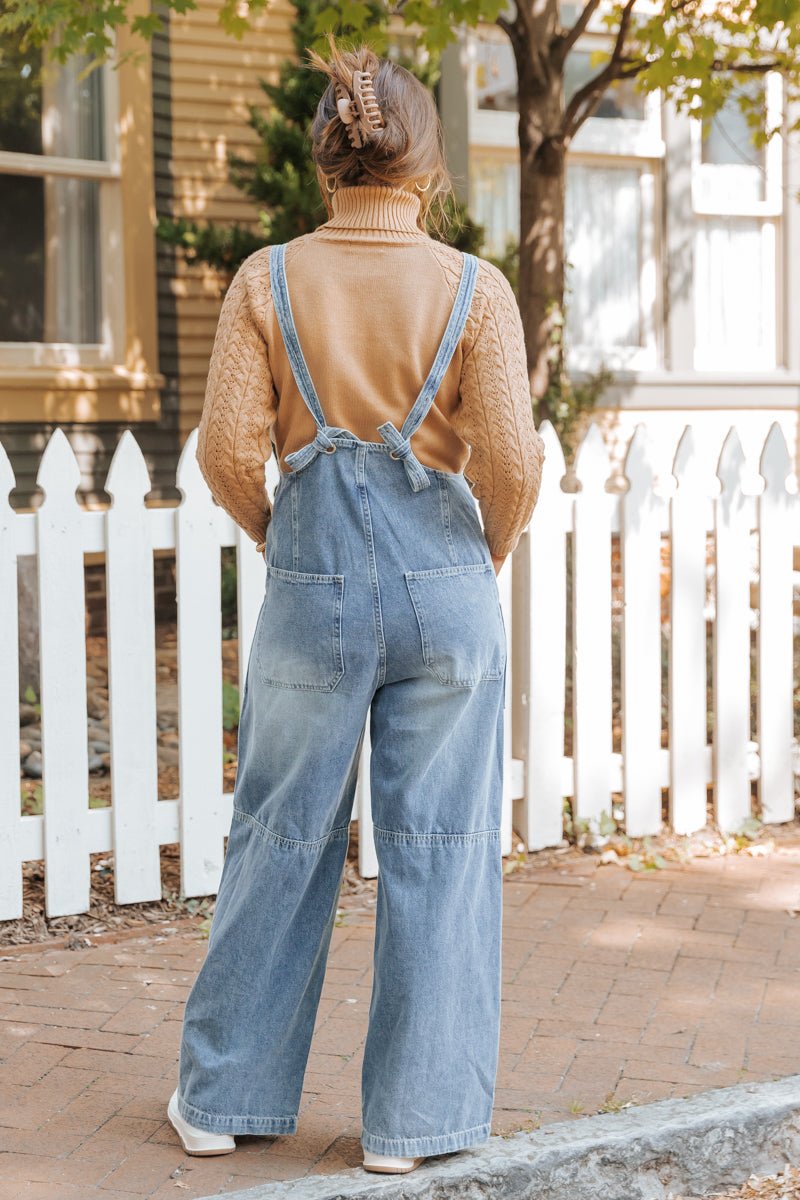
(213,77)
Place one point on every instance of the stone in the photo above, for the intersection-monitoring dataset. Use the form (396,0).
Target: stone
(167,756)
(27,714)
(97,705)
(32,766)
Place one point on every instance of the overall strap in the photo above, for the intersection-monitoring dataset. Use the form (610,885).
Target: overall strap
(400,440)
(283,310)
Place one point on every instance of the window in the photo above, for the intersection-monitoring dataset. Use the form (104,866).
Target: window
(620,102)
(495,75)
(604,224)
(494,192)
(611,199)
(737,200)
(59,212)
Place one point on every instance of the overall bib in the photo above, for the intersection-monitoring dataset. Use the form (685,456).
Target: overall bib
(380,600)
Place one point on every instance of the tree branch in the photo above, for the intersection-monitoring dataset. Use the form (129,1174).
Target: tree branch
(719,64)
(589,95)
(565,41)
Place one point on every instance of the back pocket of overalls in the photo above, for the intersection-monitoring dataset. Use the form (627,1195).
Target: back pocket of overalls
(299,635)
(460,622)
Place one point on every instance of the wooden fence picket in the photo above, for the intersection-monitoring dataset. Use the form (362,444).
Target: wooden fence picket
(733,520)
(507,809)
(689,520)
(641,516)
(591,606)
(62,656)
(774,699)
(198,586)
(362,810)
(538,641)
(533,593)
(132,678)
(10,814)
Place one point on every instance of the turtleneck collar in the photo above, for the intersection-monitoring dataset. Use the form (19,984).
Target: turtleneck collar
(373,212)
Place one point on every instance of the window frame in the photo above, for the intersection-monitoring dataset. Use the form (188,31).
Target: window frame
(107,173)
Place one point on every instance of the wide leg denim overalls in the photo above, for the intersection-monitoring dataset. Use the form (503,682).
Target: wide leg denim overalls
(380,599)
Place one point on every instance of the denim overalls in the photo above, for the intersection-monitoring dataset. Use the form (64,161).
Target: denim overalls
(380,600)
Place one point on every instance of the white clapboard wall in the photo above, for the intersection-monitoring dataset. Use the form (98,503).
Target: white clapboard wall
(693,544)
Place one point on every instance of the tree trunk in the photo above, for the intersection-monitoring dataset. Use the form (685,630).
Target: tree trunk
(541,246)
(28,593)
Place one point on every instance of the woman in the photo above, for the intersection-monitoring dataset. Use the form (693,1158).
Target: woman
(380,599)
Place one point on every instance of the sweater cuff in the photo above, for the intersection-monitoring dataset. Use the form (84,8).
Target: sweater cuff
(502,549)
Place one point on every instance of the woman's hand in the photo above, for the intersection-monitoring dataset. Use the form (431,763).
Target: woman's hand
(498,562)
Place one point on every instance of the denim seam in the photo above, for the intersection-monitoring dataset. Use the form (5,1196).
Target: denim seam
(361,481)
(339,832)
(474,835)
(444,496)
(295,531)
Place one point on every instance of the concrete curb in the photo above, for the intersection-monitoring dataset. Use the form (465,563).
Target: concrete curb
(682,1147)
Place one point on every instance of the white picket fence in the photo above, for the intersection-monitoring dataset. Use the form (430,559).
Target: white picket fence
(578,523)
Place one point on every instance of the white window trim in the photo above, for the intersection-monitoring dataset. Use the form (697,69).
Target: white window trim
(110,349)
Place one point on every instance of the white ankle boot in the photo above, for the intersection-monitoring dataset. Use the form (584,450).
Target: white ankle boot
(390,1164)
(197,1141)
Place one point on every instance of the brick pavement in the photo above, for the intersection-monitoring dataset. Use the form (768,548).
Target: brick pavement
(618,988)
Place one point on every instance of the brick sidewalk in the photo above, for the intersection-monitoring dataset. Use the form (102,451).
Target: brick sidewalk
(618,988)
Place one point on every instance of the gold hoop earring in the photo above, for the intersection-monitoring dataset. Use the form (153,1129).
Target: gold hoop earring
(330,190)
(427,185)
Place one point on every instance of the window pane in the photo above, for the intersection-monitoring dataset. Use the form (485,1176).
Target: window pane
(727,136)
(735,292)
(494,199)
(496,81)
(603,243)
(496,74)
(49,275)
(727,143)
(620,100)
(47,109)
(20,98)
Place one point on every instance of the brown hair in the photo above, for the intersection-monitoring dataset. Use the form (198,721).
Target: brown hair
(407,151)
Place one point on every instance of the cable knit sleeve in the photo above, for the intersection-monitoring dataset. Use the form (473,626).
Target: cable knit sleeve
(240,403)
(495,415)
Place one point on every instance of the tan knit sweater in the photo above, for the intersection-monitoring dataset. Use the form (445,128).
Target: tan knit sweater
(371,294)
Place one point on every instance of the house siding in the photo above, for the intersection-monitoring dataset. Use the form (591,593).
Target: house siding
(202,82)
